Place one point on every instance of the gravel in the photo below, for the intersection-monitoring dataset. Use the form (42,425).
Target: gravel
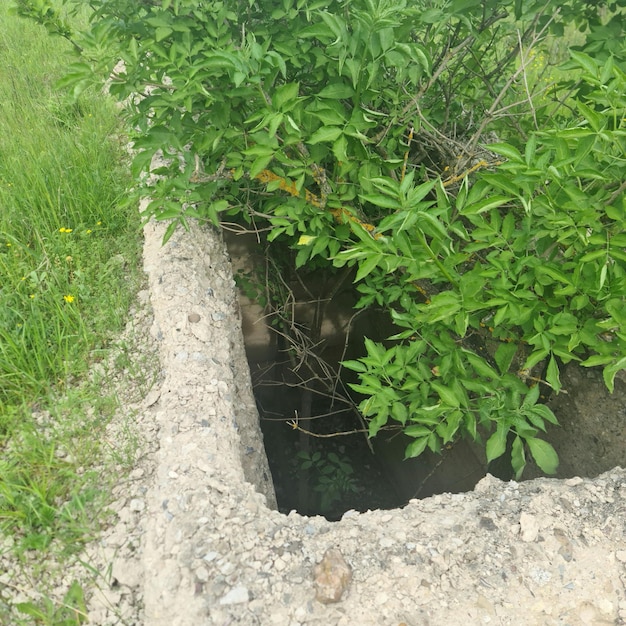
(196,539)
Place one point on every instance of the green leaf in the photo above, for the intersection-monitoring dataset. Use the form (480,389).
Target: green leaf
(141,162)
(592,256)
(506,150)
(504,356)
(481,366)
(336,91)
(552,375)
(545,412)
(399,412)
(596,121)
(446,394)
(461,322)
(415,448)
(416,430)
(518,457)
(285,94)
(387,38)
(544,454)
(259,164)
(419,53)
(378,422)
(485,205)
(531,397)
(496,444)
(448,428)
(368,266)
(610,372)
(598,359)
(529,151)
(535,357)
(585,61)
(355,366)
(325,134)
(380,200)
(607,71)
(162,32)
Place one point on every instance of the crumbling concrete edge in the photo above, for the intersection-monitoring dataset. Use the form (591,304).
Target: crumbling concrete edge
(216,552)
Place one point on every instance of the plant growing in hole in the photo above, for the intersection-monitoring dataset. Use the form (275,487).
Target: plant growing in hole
(333,476)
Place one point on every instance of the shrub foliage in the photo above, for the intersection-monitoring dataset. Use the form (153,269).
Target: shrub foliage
(473,180)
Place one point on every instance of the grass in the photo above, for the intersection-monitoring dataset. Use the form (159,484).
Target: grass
(69,259)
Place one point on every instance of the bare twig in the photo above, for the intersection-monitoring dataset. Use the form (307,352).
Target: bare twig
(525,78)
(490,114)
(616,193)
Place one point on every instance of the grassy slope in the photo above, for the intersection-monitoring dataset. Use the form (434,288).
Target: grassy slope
(69,259)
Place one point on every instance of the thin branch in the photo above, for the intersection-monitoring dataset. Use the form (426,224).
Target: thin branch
(525,78)
(489,115)
(616,193)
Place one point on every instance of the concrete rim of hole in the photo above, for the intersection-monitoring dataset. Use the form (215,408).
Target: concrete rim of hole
(215,551)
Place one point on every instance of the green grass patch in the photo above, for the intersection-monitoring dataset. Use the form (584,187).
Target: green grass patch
(69,268)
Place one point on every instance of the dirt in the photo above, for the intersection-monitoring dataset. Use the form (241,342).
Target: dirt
(197,538)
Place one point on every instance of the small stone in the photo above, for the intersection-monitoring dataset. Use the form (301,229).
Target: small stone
(152,398)
(227,568)
(218,316)
(381,598)
(573,482)
(237,595)
(127,572)
(529,528)
(194,318)
(332,577)
(202,574)
(136,473)
(620,555)
(137,505)
(606,606)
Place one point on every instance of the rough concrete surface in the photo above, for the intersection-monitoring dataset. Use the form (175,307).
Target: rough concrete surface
(213,551)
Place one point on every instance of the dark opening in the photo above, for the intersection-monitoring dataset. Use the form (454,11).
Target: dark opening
(296,334)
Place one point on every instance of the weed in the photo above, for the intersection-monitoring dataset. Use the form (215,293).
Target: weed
(68,257)
(333,476)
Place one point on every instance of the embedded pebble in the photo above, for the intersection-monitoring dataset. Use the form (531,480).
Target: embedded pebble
(137,505)
(237,595)
(529,527)
(332,576)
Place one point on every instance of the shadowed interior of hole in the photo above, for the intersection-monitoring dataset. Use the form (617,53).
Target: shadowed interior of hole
(329,475)
(377,477)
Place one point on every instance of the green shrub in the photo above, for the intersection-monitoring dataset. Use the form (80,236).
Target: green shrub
(481,206)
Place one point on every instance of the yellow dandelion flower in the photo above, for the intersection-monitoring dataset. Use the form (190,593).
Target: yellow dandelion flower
(68,298)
